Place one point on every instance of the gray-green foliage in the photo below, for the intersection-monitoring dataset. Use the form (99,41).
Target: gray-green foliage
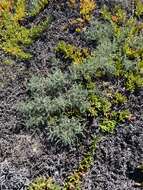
(118,51)
(57,102)
(106,47)
(65,129)
(98,31)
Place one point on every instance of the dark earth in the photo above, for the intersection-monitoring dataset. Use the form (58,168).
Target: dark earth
(25,154)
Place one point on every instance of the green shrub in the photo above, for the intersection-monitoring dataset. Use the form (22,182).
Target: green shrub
(56,102)
(99,105)
(108,125)
(71,52)
(44,184)
(65,129)
(121,115)
(138,8)
(118,51)
(119,98)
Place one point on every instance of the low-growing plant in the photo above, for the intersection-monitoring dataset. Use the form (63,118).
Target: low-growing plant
(56,102)
(71,52)
(108,125)
(75,179)
(6,5)
(13,35)
(123,115)
(86,9)
(138,8)
(99,105)
(118,51)
(65,129)
(119,98)
(42,183)
(133,81)
(36,6)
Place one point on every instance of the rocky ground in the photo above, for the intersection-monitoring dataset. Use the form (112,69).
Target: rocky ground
(26,154)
